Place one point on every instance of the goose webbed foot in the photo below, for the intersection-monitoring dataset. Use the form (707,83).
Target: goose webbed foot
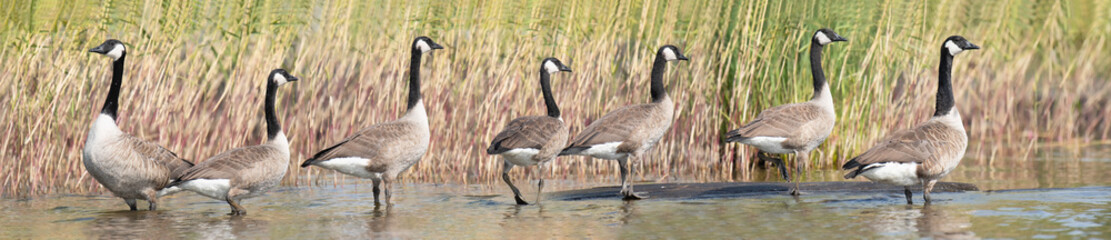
(519,200)
(631,195)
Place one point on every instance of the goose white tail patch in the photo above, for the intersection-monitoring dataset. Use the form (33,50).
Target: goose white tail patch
(604,151)
(353,166)
(900,174)
(822,38)
(521,156)
(169,190)
(213,188)
(768,144)
(953,48)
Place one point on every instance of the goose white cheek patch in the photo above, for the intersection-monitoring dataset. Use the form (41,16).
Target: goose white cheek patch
(116,52)
(279,79)
(551,67)
(822,38)
(423,46)
(670,54)
(953,48)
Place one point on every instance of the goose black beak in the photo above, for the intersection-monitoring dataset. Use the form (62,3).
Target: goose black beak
(565,68)
(971,46)
(684,58)
(436,46)
(838,38)
(292,78)
(102,49)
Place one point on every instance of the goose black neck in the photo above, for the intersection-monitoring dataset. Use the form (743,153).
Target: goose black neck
(816,68)
(944,84)
(414,80)
(273,127)
(659,92)
(546,88)
(111,104)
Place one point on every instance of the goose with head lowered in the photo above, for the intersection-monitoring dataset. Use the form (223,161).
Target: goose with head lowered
(245,172)
(927,152)
(383,151)
(127,166)
(533,140)
(796,128)
(631,131)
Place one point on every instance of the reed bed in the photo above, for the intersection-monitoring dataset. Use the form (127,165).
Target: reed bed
(195,72)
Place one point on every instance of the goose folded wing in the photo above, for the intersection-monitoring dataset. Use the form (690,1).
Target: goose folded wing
(159,155)
(905,146)
(229,164)
(525,132)
(616,126)
(367,143)
(783,121)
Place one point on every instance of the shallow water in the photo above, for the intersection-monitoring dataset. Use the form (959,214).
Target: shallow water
(1070,199)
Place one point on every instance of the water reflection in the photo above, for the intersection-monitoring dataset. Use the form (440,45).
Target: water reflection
(231,227)
(929,221)
(380,220)
(130,225)
(628,212)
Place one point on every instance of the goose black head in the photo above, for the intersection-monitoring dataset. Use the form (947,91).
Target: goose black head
(957,44)
(553,65)
(825,36)
(425,44)
(280,76)
(112,48)
(671,53)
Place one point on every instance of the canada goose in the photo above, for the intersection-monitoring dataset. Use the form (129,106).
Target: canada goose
(794,128)
(533,140)
(633,130)
(129,167)
(381,152)
(928,152)
(245,172)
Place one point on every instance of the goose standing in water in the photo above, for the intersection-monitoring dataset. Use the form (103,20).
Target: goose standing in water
(533,140)
(245,172)
(927,152)
(127,166)
(794,128)
(383,151)
(633,130)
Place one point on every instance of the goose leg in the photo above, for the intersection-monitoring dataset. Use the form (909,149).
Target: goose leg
(926,190)
(626,187)
(131,204)
(778,163)
(236,209)
(506,166)
(540,185)
(377,189)
(152,199)
(388,187)
(800,159)
(906,190)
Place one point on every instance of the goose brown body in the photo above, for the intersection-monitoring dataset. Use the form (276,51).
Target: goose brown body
(382,152)
(927,152)
(127,166)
